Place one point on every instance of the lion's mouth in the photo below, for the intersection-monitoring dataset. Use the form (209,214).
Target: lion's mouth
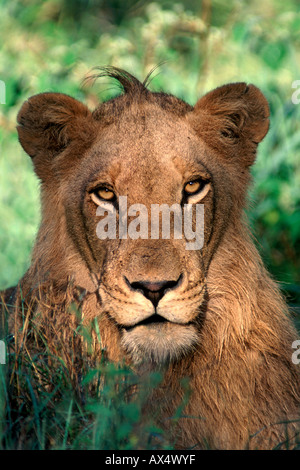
(152,320)
(157,340)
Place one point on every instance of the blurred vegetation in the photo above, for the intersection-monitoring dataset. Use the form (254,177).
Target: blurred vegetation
(52,45)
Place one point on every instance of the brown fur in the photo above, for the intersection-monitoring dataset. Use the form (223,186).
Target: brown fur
(226,325)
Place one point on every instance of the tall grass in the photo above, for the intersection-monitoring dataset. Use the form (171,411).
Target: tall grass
(53,396)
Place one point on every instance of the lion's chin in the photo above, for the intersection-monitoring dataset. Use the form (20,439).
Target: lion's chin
(159,343)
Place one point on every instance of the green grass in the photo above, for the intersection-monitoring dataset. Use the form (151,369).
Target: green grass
(55,417)
(55,396)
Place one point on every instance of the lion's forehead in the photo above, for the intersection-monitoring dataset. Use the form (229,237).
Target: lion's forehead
(149,133)
(161,156)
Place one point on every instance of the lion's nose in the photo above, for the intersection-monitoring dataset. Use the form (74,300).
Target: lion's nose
(154,291)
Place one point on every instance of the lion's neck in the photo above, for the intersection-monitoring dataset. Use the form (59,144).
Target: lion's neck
(242,295)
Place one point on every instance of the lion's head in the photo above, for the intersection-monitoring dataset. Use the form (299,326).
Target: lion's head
(148,149)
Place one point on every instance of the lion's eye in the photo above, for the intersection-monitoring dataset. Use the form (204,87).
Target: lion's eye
(103,194)
(193,187)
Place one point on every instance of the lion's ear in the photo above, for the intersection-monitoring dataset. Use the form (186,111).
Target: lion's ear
(233,115)
(47,123)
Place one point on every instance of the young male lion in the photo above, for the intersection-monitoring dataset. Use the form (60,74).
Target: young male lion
(212,314)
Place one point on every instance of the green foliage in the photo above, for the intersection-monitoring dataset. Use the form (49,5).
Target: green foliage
(54,417)
(54,44)
(47,404)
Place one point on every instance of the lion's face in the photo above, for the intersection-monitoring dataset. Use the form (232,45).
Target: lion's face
(152,287)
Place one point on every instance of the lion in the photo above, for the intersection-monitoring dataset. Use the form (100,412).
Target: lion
(213,314)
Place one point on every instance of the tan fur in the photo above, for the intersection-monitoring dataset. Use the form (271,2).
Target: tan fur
(226,325)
